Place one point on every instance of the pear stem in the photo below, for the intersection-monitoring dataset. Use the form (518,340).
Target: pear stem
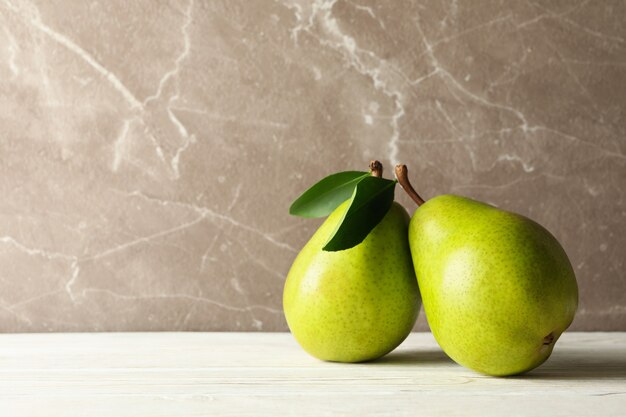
(376,168)
(403,179)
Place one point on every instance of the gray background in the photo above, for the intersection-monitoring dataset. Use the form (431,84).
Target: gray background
(149,150)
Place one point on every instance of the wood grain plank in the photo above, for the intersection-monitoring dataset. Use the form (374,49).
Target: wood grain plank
(252,374)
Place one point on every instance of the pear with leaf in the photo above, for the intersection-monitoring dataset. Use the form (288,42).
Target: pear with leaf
(351,294)
(498,288)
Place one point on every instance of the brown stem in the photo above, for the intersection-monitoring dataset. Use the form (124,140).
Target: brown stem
(376,168)
(403,179)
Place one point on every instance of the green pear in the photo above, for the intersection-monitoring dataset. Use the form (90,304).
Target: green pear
(357,304)
(498,288)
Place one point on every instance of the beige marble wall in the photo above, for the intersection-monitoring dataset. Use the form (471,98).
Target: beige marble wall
(149,150)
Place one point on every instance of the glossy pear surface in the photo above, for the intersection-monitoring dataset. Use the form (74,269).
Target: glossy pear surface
(498,289)
(357,304)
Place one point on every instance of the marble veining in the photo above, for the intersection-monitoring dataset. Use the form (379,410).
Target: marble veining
(150,150)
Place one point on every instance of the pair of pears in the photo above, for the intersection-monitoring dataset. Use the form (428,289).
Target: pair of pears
(498,289)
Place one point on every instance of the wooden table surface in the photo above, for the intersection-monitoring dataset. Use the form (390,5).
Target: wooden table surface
(265,374)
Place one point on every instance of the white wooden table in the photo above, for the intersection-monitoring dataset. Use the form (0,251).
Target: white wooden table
(260,374)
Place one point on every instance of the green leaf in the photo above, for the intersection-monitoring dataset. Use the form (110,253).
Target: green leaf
(371,200)
(321,199)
